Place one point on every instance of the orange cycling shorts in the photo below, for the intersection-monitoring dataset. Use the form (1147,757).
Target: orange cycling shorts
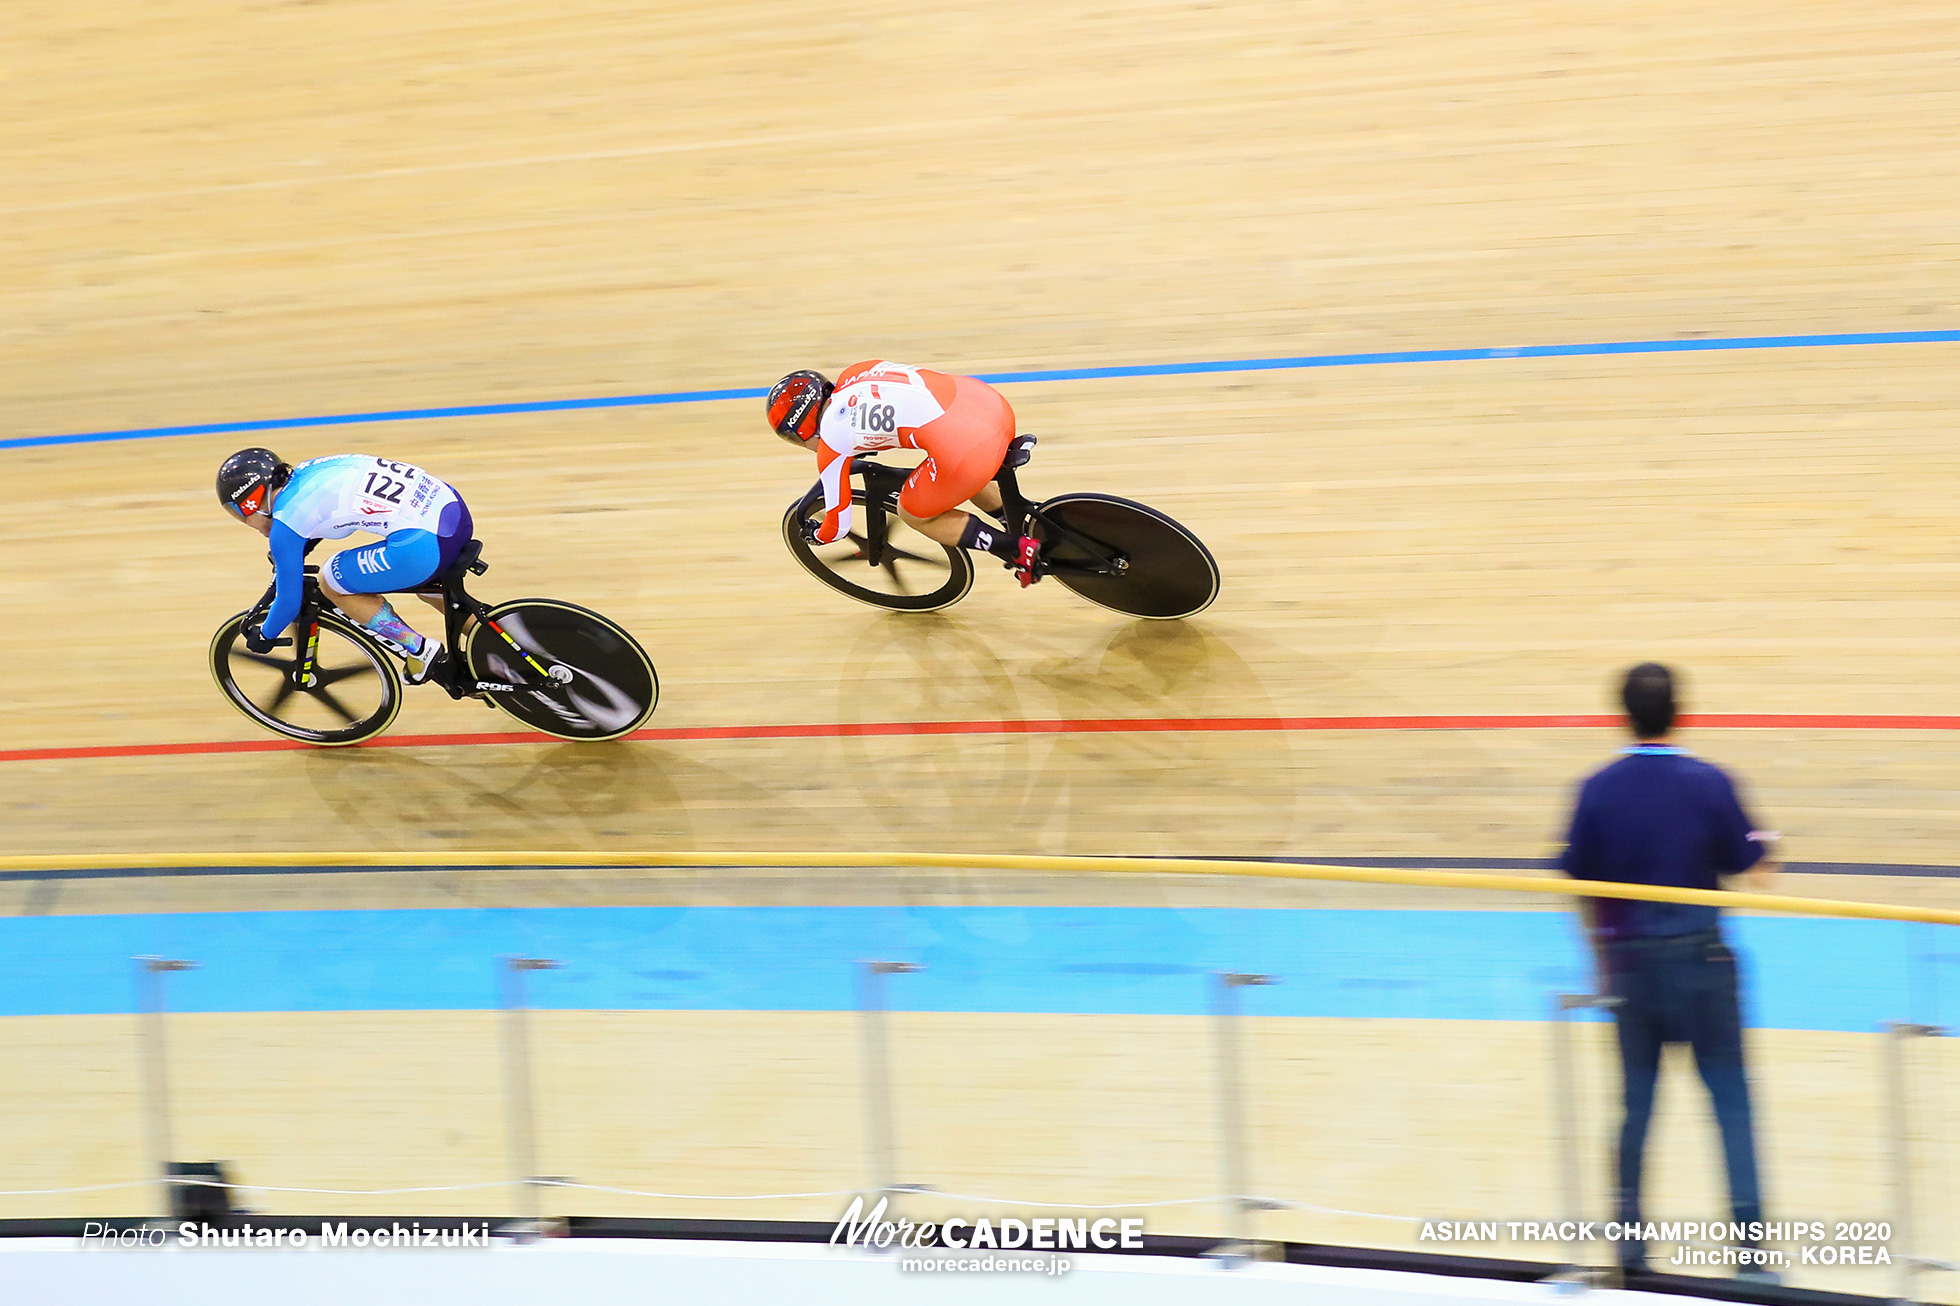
(964,446)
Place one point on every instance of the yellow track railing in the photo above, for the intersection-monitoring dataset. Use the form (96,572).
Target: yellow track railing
(1156,866)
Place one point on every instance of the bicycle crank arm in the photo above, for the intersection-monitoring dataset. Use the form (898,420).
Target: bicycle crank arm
(561,676)
(1116,566)
(555,675)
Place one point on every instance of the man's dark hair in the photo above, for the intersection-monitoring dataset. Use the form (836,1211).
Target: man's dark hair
(1649,697)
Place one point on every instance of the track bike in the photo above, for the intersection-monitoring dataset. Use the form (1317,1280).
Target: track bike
(557,667)
(1123,555)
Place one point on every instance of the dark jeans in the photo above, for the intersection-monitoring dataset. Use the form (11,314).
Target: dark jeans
(1681,990)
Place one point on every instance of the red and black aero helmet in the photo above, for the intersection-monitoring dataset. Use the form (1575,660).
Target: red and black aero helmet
(246,476)
(795,404)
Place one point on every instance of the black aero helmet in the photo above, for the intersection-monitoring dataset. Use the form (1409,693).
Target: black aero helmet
(245,477)
(795,404)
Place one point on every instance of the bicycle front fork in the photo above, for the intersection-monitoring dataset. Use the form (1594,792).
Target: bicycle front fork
(305,674)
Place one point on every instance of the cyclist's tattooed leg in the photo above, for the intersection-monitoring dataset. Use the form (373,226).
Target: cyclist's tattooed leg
(387,623)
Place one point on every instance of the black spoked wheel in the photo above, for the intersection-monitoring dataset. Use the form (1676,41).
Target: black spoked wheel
(914,574)
(355,694)
(1163,571)
(610,686)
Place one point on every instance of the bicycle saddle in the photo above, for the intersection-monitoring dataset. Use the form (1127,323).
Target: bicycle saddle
(469,558)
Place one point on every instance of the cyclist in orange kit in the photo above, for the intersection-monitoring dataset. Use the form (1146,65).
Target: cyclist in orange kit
(965,427)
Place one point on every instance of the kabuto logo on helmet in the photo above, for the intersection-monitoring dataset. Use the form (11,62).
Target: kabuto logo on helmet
(796,403)
(247,476)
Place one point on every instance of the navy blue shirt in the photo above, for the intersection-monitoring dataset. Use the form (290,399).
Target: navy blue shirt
(1658,816)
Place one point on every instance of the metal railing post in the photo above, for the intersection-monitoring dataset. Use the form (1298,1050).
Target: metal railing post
(1240,1203)
(1896,1104)
(519,1120)
(155,1069)
(1565,1111)
(880,1132)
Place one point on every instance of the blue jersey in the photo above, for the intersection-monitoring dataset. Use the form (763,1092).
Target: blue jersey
(331,498)
(1658,816)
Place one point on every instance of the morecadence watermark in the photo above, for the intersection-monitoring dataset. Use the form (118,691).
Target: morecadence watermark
(1054,1266)
(959,1234)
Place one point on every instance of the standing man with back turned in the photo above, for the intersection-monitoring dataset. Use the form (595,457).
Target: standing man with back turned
(1660,816)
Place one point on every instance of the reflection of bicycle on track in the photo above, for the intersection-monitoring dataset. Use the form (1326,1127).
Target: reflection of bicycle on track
(557,667)
(1120,554)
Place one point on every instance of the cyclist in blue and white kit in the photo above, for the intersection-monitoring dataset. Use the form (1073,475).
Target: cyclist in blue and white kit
(423,523)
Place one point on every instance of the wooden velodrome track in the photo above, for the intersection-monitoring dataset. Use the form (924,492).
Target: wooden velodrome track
(236,213)
(281,212)
(263,213)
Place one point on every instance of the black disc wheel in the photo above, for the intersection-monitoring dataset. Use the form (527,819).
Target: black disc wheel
(605,685)
(353,694)
(1125,556)
(914,574)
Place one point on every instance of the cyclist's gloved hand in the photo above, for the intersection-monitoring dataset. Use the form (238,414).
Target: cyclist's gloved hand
(809,527)
(259,642)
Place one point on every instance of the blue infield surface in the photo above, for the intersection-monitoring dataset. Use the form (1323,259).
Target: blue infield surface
(1492,965)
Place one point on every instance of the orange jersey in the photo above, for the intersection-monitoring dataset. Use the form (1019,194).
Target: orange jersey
(963,425)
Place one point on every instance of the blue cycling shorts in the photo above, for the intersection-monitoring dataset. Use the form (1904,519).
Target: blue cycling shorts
(404,560)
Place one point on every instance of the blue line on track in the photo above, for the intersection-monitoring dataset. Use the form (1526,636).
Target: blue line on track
(1713,344)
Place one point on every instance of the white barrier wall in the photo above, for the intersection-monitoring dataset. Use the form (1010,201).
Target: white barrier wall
(599,1271)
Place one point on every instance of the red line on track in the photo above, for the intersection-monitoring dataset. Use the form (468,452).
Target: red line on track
(1085,726)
